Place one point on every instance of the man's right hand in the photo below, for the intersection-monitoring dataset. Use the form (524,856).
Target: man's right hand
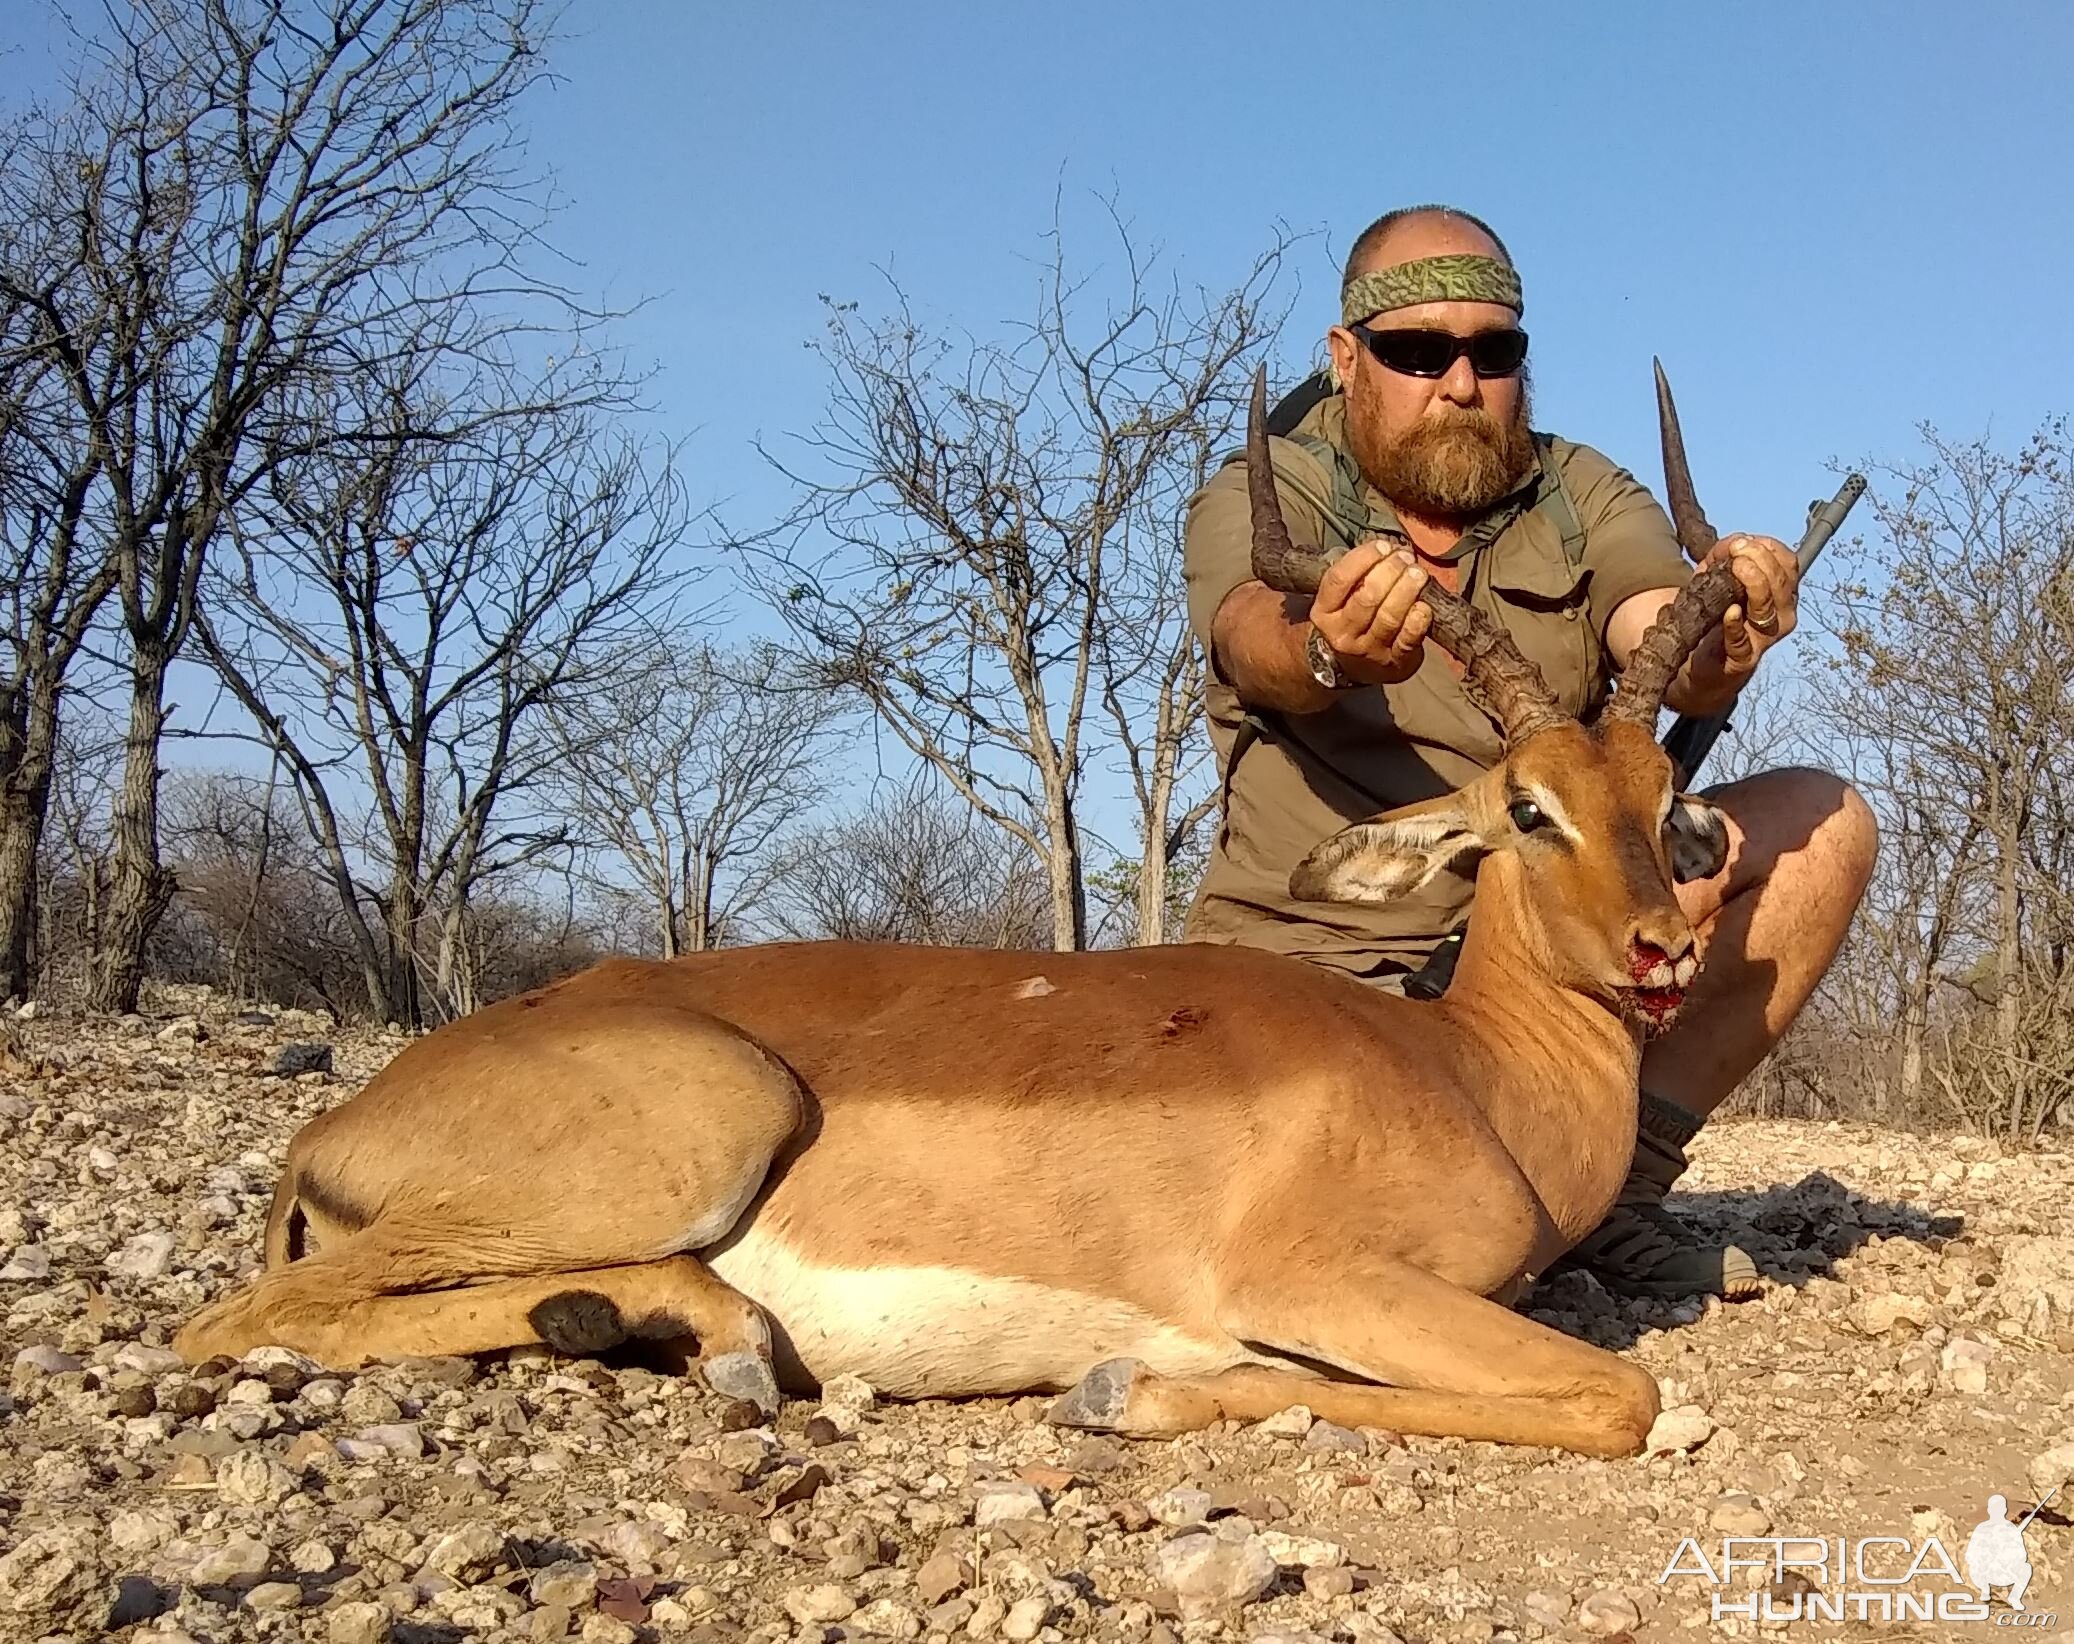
(1368,610)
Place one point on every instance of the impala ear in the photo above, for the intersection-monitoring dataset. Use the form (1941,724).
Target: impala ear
(1382,860)
(1697,834)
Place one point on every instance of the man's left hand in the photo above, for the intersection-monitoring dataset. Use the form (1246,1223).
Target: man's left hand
(1770,576)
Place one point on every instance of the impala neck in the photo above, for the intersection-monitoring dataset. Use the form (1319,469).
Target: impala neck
(1558,1082)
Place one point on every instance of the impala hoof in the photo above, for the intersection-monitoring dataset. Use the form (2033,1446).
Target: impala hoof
(1098,1398)
(742,1376)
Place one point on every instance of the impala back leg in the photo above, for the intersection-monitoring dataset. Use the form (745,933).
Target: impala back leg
(1453,1364)
(326,1307)
(537,1173)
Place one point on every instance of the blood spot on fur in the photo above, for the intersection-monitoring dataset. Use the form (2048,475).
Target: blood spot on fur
(1183,1022)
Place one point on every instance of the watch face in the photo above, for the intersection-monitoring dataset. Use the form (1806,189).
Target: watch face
(1324,665)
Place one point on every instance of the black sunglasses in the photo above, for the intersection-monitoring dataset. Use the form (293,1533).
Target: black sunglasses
(1432,353)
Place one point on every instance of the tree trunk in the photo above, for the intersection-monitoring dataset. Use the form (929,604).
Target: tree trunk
(701,874)
(2009,986)
(1153,866)
(400,981)
(28,750)
(140,889)
(457,990)
(1062,868)
(242,984)
(1064,937)
(1909,1080)
(93,891)
(1152,898)
(21,832)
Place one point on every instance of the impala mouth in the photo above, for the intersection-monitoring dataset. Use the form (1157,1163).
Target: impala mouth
(1657,1007)
(1656,991)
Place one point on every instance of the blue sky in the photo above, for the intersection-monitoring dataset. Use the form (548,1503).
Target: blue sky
(1834,222)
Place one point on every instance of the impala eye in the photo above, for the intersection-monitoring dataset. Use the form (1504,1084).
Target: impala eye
(1526,815)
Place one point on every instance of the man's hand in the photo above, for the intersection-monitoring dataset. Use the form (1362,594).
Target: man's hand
(1724,662)
(1368,610)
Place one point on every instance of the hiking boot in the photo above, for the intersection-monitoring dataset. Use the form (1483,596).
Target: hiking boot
(1641,1249)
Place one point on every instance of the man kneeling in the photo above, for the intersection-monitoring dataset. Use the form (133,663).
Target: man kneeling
(1418,462)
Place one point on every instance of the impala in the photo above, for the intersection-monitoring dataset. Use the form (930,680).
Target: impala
(1172,1184)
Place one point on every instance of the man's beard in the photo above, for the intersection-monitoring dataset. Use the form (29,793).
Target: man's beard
(1448,468)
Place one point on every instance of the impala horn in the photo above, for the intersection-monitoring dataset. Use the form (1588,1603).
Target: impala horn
(1700,604)
(1497,677)
(1695,535)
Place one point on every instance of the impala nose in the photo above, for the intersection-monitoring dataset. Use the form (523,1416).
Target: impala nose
(1660,954)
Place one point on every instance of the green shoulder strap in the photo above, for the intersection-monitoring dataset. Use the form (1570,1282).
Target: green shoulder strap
(1350,517)
(1345,508)
(1562,512)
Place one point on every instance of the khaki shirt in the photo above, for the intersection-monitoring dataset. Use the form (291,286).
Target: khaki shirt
(1302,777)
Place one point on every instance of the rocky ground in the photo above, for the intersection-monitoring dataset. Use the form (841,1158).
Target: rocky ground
(1913,1354)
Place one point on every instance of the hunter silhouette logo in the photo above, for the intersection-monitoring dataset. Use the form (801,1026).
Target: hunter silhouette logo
(1995,1555)
(1869,1578)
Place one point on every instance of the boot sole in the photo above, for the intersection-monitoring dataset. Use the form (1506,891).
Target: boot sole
(1739,1279)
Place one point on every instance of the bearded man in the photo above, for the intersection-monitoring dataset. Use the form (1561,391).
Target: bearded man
(1420,465)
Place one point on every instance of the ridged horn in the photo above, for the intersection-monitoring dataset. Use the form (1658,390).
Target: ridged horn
(1674,636)
(1495,674)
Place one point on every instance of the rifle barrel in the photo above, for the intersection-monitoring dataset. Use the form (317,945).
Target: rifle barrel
(1827,520)
(2035,1511)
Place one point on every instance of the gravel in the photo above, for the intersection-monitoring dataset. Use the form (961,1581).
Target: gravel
(1914,1354)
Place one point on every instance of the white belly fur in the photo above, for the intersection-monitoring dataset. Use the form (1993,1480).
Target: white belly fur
(919,1332)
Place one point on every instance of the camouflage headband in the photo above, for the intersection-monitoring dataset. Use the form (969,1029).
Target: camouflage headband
(1463,278)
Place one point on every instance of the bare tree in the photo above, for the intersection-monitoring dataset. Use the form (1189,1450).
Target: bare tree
(1773,723)
(268,196)
(919,867)
(395,618)
(1956,684)
(517,939)
(72,880)
(1153,673)
(1117,891)
(224,835)
(688,771)
(55,575)
(960,560)
(1922,912)
(254,914)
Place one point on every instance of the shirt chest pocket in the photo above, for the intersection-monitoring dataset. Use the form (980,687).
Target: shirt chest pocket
(1545,602)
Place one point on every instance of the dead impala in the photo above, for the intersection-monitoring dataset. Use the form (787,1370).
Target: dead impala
(1177,1184)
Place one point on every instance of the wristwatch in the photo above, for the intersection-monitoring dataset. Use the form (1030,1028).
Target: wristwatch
(1324,662)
